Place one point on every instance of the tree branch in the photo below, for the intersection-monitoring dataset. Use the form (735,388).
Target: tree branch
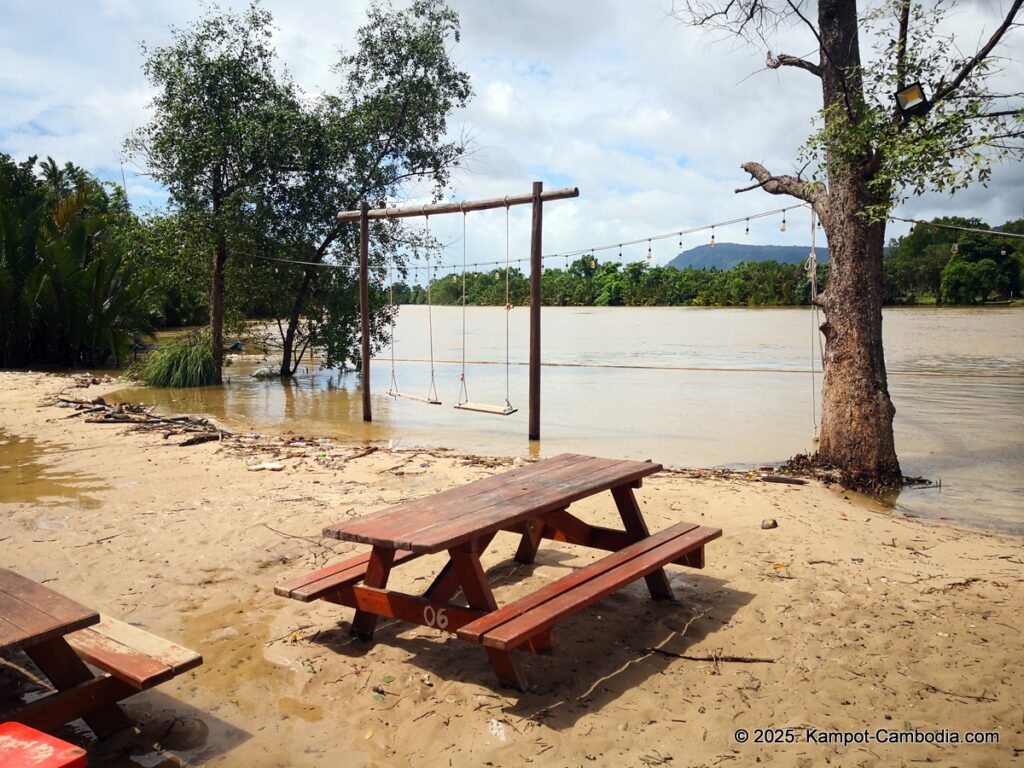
(901,47)
(810,192)
(943,89)
(785,60)
(826,58)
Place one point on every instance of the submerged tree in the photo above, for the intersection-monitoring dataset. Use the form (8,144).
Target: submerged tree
(260,171)
(386,127)
(225,130)
(870,155)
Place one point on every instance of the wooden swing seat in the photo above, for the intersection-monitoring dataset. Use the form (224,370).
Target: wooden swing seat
(499,410)
(418,398)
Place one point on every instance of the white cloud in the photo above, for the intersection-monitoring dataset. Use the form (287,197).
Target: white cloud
(651,119)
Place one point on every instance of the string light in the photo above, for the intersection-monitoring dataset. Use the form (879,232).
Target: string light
(747,230)
(712,237)
(650,254)
(586,252)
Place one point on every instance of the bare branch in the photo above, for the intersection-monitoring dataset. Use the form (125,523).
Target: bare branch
(901,47)
(943,89)
(809,191)
(827,58)
(785,60)
(1000,113)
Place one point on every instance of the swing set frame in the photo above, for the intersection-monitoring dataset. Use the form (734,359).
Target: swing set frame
(537,197)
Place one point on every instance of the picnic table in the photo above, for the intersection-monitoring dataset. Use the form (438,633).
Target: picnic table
(531,501)
(60,635)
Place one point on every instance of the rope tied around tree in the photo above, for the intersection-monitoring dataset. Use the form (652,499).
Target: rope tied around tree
(811,267)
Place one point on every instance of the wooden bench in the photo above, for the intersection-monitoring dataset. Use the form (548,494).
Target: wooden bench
(91,661)
(333,578)
(130,654)
(515,624)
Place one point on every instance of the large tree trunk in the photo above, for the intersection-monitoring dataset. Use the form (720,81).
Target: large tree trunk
(220,257)
(857,414)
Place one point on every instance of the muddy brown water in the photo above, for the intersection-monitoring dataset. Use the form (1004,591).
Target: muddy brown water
(694,387)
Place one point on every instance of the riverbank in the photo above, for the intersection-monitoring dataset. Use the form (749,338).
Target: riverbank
(870,621)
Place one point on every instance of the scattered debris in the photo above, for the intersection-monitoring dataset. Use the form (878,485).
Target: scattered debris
(273,466)
(139,417)
(784,480)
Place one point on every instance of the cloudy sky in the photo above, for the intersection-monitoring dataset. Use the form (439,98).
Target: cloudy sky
(650,119)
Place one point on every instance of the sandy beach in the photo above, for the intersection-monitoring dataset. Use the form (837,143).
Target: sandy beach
(844,618)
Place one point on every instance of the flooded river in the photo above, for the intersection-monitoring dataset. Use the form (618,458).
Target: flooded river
(688,387)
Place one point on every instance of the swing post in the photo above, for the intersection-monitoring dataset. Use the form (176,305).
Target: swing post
(535,299)
(364,304)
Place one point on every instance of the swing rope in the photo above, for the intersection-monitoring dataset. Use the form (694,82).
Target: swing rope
(508,309)
(811,267)
(463,392)
(432,393)
(393,388)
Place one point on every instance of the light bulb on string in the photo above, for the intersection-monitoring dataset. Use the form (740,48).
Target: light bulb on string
(680,242)
(747,230)
(782,226)
(712,237)
(650,254)
(620,251)
(593,261)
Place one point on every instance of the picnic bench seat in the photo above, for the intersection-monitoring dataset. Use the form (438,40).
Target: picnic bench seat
(518,622)
(132,655)
(319,584)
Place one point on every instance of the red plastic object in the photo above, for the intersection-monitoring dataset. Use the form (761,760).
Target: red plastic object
(24,747)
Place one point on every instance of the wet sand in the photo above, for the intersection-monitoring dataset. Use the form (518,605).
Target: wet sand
(870,621)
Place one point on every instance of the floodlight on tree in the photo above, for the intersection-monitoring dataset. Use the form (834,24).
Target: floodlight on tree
(912,101)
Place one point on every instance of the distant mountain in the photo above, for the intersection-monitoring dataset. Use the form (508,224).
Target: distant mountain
(728,255)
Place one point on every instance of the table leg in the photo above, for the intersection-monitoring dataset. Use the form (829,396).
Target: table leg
(446,585)
(377,572)
(466,561)
(530,542)
(636,529)
(66,670)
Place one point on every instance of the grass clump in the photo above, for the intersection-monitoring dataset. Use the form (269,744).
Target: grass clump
(186,362)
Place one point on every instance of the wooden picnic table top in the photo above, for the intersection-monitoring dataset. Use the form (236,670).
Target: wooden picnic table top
(466,513)
(31,613)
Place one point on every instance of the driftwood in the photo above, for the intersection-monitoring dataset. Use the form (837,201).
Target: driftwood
(98,411)
(782,479)
(714,657)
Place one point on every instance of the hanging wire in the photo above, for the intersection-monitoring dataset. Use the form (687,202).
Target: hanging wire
(591,250)
(811,267)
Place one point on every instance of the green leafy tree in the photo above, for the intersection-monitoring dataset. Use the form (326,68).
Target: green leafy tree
(865,157)
(225,130)
(386,127)
(67,295)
